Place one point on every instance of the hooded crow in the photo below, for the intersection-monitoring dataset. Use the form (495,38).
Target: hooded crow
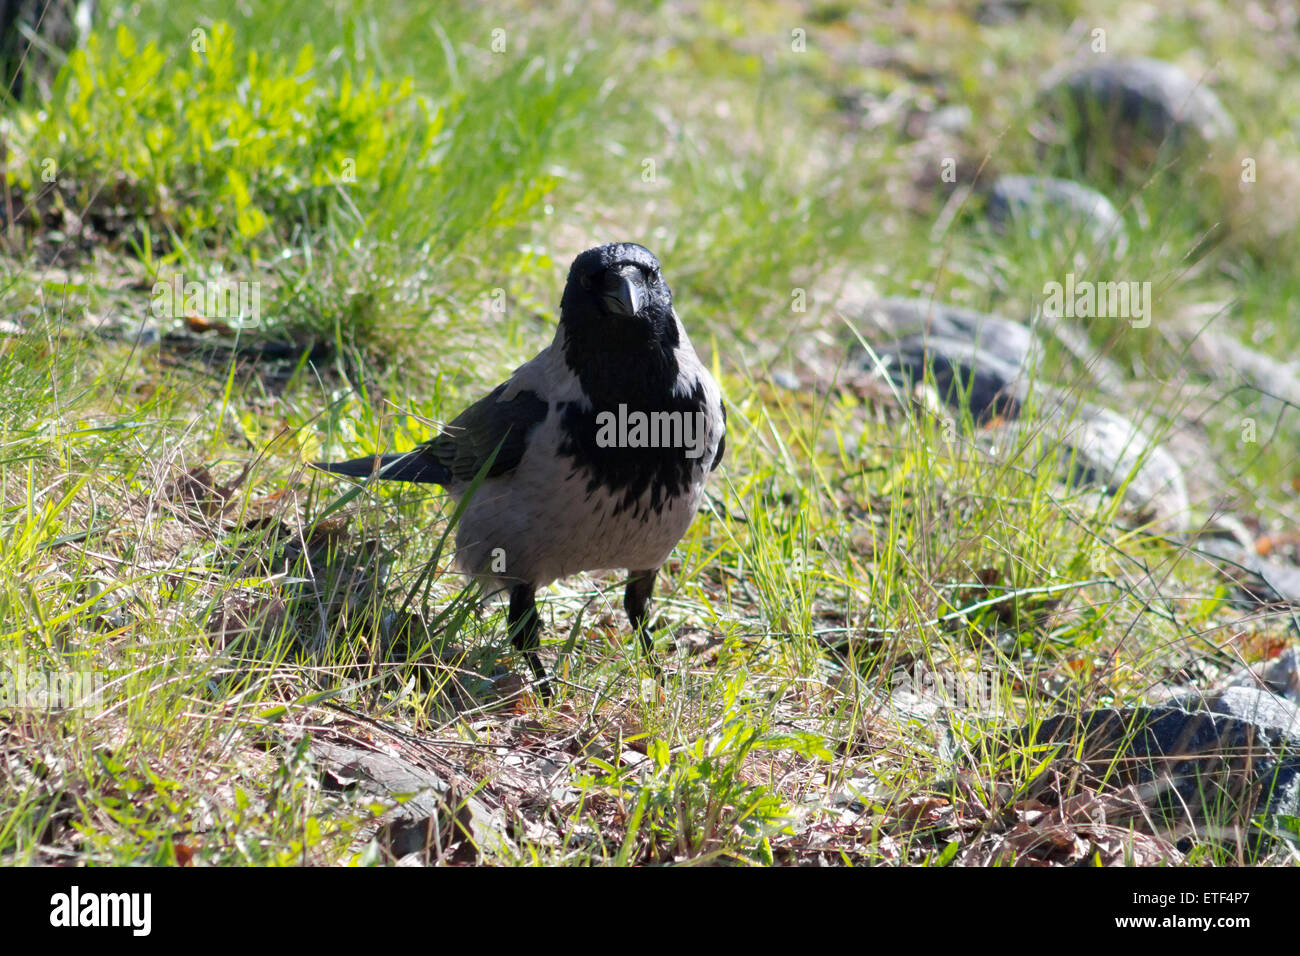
(594,455)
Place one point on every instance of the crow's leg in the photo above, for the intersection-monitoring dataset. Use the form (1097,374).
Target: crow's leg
(636,599)
(525,630)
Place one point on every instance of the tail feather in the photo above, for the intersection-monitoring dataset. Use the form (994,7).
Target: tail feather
(412,466)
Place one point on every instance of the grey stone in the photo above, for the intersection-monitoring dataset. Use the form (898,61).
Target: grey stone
(786,380)
(432,817)
(1110,451)
(988,356)
(1258,706)
(1097,447)
(900,317)
(993,387)
(1045,204)
(1141,99)
(1231,360)
(951,119)
(992,361)
(1213,772)
(1261,580)
(1280,676)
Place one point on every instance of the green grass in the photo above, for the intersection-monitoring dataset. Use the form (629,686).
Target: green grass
(159,526)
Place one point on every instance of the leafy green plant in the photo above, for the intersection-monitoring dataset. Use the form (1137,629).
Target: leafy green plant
(223,143)
(697,802)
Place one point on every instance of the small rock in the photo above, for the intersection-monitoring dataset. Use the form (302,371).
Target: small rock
(987,356)
(785,380)
(963,373)
(1227,358)
(1258,706)
(430,817)
(1280,582)
(1104,448)
(952,119)
(1215,772)
(992,360)
(1045,204)
(943,121)
(1261,580)
(898,317)
(1137,102)
(146,333)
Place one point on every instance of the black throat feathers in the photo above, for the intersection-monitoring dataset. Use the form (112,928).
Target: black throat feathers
(622,378)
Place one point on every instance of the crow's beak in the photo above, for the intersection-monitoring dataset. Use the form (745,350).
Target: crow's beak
(624,293)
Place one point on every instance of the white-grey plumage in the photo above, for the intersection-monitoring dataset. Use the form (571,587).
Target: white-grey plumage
(557,495)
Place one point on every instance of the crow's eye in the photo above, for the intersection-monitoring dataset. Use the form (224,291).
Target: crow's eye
(585,282)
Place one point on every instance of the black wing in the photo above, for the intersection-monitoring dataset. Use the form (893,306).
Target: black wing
(472,436)
(463,447)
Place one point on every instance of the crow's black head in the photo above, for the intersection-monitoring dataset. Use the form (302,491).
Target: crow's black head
(616,300)
(621,339)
